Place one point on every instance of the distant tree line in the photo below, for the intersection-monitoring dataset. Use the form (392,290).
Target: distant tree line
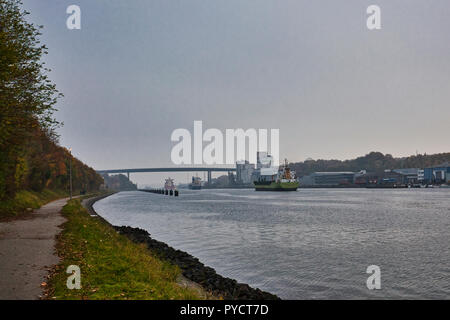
(118,182)
(373,162)
(30,157)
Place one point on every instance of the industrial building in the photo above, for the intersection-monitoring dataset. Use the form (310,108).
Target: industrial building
(244,172)
(328,179)
(397,177)
(263,160)
(410,176)
(404,177)
(421,176)
(438,174)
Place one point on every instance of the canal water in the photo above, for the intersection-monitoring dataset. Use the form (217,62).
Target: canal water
(309,244)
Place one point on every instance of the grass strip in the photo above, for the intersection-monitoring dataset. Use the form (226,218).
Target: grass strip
(112,267)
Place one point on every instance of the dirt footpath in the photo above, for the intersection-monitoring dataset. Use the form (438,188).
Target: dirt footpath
(27,251)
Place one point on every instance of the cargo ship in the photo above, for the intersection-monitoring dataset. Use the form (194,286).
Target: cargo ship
(273,179)
(196,183)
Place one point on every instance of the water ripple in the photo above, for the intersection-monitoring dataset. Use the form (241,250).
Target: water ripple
(310,244)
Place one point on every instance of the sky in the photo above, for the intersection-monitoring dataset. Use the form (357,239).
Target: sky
(139,69)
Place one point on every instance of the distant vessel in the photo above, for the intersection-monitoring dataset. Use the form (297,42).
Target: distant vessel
(169,185)
(196,183)
(273,179)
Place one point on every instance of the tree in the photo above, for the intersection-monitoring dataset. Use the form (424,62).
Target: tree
(27,96)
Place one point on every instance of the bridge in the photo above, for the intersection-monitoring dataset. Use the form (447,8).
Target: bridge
(209,170)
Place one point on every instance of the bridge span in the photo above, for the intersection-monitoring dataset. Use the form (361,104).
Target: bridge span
(209,170)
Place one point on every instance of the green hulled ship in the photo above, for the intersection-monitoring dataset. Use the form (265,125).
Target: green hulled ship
(271,179)
(276,186)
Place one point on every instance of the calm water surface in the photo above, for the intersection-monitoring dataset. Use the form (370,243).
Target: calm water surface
(310,244)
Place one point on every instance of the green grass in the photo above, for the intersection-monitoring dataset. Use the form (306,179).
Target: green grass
(25,200)
(112,266)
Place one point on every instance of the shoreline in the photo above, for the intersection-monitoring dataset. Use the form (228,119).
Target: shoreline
(190,266)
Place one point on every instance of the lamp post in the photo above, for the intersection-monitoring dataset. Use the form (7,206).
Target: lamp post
(70,172)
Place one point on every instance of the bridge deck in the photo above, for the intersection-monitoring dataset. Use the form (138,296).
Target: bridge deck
(176,169)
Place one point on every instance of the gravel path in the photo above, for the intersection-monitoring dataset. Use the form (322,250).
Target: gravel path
(27,252)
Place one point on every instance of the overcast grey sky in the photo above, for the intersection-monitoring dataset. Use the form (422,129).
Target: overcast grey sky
(139,69)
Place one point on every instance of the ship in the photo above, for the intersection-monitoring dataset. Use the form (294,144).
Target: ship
(196,183)
(169,185)
(273,179)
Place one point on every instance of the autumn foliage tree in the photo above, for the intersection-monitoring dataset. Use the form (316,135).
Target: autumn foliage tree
(29,154)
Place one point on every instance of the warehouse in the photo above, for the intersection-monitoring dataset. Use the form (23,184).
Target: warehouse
(438,174)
